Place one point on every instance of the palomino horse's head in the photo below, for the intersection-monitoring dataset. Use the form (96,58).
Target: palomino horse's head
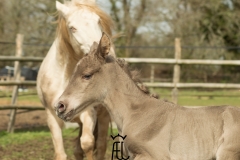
(80,24)
(87,87)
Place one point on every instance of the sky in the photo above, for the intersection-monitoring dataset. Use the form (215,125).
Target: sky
(142,29)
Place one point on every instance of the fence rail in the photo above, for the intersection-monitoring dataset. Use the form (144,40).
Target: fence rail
(195,85)
(10,83)
(21,59)
(6,107)
(141,60)
(182,61)
(149,84)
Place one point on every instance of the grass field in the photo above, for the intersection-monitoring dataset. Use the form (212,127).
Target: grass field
(203,97)
(24,98)
(186,97)
(36,143)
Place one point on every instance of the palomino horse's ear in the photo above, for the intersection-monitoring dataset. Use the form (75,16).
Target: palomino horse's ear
(62,8)
(93,1)
(94,47)
(104,45)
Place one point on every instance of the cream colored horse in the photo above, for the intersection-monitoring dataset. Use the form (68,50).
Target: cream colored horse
(155,129)
(80,23)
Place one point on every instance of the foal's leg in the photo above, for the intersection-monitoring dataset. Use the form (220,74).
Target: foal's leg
(88,119)
(228,155)
(230,146)
(55,125)
(103,124)
(229,149)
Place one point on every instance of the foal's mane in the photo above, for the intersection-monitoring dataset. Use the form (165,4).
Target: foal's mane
(135,76)
(62,33)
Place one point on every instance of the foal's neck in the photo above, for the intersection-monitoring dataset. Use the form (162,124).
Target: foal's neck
(125,99)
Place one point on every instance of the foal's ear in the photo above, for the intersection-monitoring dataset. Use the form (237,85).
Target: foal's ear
(104,45)
(62,8)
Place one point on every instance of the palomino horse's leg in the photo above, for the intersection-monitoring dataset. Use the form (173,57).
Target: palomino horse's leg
(88,119)
(55,125)
(103,124)
(78,153)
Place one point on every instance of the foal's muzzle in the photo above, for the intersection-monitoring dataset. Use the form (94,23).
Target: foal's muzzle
(61,111)
(60,108)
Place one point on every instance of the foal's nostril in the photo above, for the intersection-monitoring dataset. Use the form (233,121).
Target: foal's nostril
(61,107)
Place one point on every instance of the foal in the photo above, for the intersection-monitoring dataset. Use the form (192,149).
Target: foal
(155,129)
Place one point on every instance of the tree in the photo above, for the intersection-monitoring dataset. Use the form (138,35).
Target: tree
(128,19)
(32,18)
(221,20)
(207,23)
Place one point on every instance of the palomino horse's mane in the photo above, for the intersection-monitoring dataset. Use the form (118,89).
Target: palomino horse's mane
(135,76)
(62,33)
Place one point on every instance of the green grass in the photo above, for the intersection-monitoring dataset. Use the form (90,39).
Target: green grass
(19,138)
(30,96)
(202,97)
(36,144)
(187,97)
(22,136)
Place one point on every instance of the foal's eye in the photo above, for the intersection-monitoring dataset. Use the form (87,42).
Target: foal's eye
(87,77)
(73,30)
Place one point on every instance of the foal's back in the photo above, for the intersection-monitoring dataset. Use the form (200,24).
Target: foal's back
(206,133)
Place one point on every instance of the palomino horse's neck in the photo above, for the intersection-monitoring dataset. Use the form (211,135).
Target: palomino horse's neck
(67,57)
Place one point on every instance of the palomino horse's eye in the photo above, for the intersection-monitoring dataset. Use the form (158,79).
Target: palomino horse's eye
(87,77)
(72,29)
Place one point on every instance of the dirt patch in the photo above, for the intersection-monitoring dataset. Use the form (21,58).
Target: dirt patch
(38,149)
(24,119)
(42,149)
(34,150)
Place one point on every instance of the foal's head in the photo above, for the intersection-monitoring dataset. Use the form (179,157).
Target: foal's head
(93,79)
(87,86)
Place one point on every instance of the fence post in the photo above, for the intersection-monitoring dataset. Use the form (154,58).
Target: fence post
(17,76)
(176,71)
(152,73)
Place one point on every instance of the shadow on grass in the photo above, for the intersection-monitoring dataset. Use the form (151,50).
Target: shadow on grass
(32,129)
(27,129)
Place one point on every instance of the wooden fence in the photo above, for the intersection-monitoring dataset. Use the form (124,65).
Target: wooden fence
(176,62)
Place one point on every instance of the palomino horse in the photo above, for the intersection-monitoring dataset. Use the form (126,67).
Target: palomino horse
(80,23)
(155,129)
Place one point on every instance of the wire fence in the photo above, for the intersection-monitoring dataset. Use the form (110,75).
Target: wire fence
(143,47)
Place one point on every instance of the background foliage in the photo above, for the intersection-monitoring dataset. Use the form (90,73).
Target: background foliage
(148,29)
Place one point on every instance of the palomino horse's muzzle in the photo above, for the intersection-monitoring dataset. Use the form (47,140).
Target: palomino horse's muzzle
(61,112)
